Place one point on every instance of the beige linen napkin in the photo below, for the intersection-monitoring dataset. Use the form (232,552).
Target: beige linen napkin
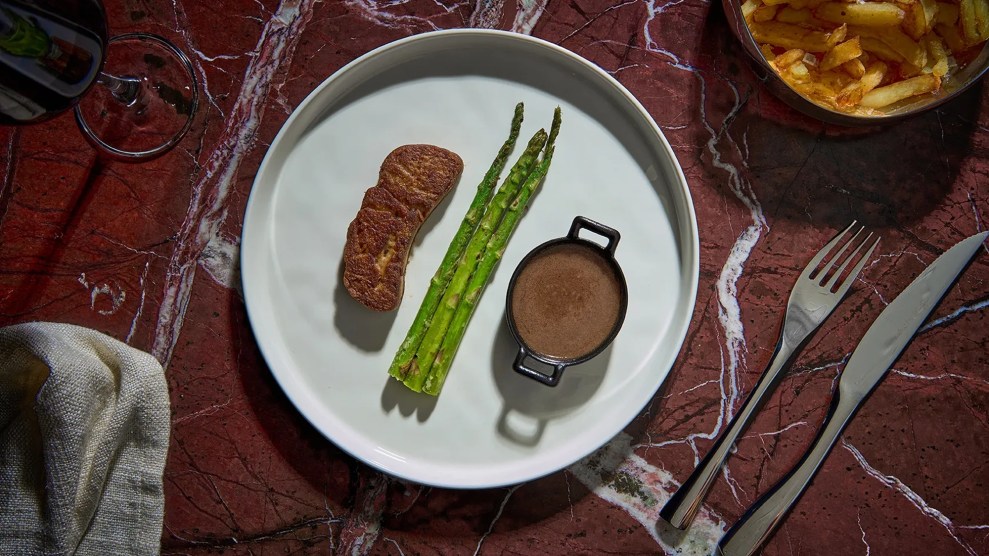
(84,423)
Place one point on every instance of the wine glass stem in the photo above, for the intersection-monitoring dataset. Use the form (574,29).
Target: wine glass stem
(124,89)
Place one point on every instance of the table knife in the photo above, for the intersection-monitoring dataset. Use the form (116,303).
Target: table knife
(872,358)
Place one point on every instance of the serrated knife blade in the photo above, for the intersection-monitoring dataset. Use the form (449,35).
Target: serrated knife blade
(870,361)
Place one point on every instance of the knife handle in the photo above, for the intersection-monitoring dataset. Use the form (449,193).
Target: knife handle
(752,529)
(681,508)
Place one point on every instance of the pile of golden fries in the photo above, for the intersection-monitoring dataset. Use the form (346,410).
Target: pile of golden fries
(862,57)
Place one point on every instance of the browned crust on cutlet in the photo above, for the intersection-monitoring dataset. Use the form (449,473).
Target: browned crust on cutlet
(412,181)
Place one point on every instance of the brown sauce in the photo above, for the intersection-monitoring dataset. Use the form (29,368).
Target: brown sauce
(566,301)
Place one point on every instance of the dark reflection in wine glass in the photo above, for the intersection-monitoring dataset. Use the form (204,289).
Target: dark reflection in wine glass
(134,95)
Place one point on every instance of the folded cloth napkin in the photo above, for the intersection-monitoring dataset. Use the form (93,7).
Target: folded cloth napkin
(84,423)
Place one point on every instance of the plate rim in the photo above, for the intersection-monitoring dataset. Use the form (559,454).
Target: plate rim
(684,225)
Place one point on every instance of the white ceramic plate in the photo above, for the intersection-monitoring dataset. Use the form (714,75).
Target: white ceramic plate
(457,89)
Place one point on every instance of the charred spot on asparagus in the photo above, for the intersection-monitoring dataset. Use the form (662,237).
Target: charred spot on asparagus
(472,255)
(425,357)
(493,251)
(403,359)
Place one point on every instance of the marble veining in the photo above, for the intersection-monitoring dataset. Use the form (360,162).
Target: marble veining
(207,209)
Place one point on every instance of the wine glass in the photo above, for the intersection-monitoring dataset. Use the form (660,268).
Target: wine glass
(134,95)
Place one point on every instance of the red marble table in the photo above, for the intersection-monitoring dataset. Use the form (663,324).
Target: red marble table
(148,253)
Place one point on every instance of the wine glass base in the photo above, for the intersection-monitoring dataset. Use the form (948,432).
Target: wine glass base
(165,99)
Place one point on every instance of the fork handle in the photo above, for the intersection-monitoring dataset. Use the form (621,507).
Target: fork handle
(755,527)
(680,510)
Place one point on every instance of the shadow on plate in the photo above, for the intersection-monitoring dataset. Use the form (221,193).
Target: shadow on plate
(529,406)
(363,328)
(366,328)
(395,394)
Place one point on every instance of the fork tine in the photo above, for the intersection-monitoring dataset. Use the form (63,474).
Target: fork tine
(824,274)
(812,265)
(847,283)
(809,305)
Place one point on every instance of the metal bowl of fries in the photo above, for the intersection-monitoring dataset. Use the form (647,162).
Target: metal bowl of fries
(867,62)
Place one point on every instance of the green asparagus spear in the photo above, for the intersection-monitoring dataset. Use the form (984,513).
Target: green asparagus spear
(437,285)
(423,360)
(492,254)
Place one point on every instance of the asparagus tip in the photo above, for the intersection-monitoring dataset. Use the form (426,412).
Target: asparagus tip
(554,130)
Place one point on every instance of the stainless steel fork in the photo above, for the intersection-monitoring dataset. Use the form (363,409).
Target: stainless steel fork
(815,295)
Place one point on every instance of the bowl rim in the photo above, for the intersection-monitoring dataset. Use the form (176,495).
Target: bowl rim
(531,256)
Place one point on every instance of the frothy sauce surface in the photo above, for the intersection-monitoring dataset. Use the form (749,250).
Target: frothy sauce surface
(566,301)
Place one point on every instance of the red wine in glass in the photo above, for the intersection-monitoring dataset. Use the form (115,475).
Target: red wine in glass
(50,54)
(134,95)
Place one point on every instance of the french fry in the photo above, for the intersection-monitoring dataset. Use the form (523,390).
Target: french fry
(818,92)
(789,14)
(910,70)
(850,96)
(881,97)
(844,52)
(788,58)
(767,52)
(880,49)
(919,18)
(947,13)
(938,55)
(854,68)
(913,22)
(785,35)
(910,50)
(869,14)
(764,13)
(838,35)
(951,36)
(930,13)
(748,7)
(970,27)
(834,80)
(798,72)
(873,76)
(982,19)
